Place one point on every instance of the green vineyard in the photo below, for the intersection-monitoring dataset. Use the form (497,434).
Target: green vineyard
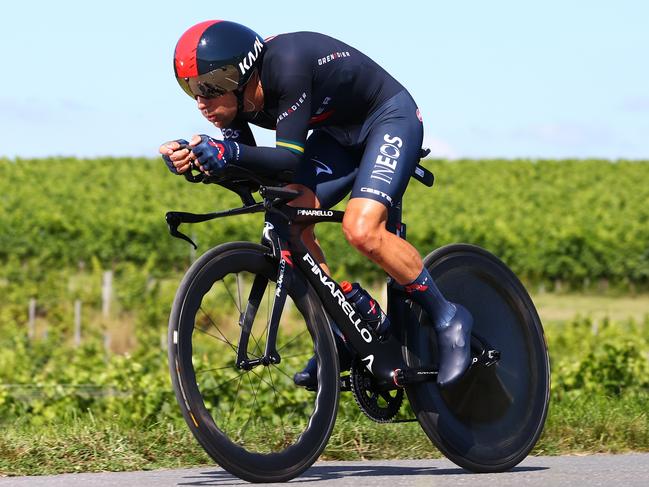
(576,222)
(67,223)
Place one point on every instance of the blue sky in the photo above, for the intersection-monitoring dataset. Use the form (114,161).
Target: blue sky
(492,79)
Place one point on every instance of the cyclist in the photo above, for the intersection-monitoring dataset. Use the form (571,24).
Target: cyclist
(366,136)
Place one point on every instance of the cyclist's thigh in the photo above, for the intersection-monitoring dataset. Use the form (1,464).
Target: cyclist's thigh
(392,148)
(327,168)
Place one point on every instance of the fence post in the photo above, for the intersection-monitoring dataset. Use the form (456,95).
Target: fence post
(106,293)
(77,323)
(31,325)
(107,343)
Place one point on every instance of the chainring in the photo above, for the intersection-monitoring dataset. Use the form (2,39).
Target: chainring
(379,406)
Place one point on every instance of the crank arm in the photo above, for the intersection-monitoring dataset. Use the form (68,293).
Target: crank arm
(481,354)
(415,375)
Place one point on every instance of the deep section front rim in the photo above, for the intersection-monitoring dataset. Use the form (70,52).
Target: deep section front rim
(257,424)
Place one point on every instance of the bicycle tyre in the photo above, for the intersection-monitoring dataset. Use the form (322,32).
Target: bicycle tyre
(206,421)
(493,417)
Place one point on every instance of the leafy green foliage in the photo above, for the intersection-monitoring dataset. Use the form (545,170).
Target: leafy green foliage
(575,220)
(568,221)
(607,359)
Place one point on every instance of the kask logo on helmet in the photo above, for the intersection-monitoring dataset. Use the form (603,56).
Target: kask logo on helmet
(249,60)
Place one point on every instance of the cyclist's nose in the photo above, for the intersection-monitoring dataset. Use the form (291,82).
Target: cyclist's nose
(201,102)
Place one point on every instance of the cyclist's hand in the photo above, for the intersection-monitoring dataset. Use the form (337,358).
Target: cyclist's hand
(178,161)
(213,155)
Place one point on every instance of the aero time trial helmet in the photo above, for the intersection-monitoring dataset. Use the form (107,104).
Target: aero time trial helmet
(215,57)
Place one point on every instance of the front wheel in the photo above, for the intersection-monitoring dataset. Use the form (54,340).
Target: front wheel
(493,417)
(253,421)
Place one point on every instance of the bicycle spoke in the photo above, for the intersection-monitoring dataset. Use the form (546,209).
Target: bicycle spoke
(297,355)
(278,368)
(225,340)
(291,340)
(261,378)
(258,342)
(215,369)
(216,338)
(218,386)
(239,291)
(277,402)
(231,295)
(254,397)
(236,396)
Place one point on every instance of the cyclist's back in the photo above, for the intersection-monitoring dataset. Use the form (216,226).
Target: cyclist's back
(342,85)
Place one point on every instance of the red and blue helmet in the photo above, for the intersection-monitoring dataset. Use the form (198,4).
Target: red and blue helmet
(215,57)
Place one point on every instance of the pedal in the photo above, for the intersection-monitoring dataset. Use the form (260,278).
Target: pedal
(492,356)
(487,358)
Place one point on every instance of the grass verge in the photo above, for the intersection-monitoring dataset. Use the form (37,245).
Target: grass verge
(587,424)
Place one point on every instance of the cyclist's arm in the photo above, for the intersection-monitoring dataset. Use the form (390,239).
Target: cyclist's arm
(294,112)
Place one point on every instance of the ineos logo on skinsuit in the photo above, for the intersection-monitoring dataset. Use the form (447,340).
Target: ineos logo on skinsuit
(386,161)
(230,133)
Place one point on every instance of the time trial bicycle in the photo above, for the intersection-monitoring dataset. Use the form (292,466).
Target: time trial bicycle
(246,317)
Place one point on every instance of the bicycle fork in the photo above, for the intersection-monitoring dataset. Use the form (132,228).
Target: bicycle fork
(284,277)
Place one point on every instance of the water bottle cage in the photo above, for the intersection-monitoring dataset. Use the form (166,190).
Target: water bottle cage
(374,326)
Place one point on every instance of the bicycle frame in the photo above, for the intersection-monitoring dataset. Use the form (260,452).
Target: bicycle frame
(382,357)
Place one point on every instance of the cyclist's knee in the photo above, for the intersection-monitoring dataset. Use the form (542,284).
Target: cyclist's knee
(307,199)
(364,225)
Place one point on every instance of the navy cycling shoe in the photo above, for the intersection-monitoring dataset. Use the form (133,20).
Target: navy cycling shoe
(454,347)
(308,377)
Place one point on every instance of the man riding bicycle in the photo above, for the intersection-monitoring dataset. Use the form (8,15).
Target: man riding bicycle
(366,137)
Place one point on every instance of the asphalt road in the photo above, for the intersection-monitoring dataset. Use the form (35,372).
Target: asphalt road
(581,471)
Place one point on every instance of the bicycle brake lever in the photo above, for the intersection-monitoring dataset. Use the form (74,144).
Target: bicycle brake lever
(173,221)
(199,178)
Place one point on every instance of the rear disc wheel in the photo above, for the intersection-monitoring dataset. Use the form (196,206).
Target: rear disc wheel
(493,417)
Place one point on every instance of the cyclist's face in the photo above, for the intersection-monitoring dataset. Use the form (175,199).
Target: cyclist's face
(220,110)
